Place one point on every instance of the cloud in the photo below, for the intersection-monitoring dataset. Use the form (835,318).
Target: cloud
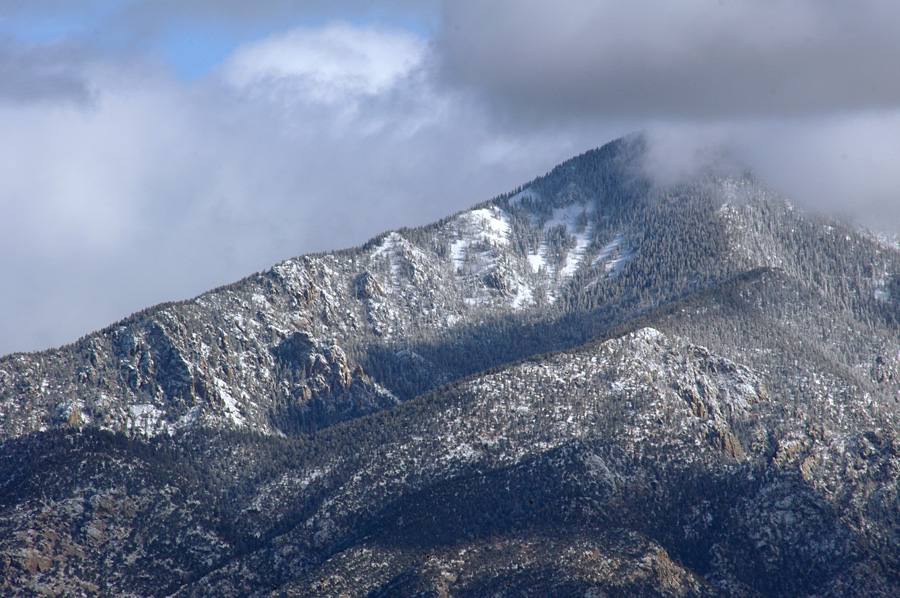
(51,72)
(326,64)
(806,92)
(840,164)
(69,15)
(659,59)
(844,164)
(677,152)
(253,13)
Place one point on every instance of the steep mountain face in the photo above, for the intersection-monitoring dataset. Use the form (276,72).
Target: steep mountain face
(592,385)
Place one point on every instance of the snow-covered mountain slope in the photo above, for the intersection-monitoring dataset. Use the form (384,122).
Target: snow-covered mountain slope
(270,353)
(592,385)
(323,338)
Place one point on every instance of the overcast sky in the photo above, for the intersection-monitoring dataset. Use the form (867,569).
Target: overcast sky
(150,151)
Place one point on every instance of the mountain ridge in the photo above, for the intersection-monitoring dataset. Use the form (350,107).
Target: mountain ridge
(606,385)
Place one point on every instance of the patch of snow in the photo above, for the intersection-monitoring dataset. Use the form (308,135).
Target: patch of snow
(493,222)
(539,260)
(616,250)
(388,247)
(536,260)
(231,408)
(187,420)
(889,241)
(524,296)
(145,418)
(458,252)
(576,254)
(462,452)
(387,244)
(612,246)
(648,334)
(568,218)
(475,251)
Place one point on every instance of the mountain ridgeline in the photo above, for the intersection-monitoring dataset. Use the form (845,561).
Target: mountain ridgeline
(594,385)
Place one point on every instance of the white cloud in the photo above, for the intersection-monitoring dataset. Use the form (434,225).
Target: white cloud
(328,64)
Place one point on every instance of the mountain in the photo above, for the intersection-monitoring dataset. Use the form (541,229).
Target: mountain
(596,384)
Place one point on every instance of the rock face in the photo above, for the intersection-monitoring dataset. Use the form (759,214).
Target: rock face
(593,385)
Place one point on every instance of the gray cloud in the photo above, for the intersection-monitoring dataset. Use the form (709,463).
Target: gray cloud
(840,164)
(30,73)
(238,11)
(844,164)
(806,92)
(659,59)
(143,20)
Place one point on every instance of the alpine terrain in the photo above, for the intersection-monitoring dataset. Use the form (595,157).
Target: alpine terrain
(594,385)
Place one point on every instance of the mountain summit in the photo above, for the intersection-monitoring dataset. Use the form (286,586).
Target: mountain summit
(595,384)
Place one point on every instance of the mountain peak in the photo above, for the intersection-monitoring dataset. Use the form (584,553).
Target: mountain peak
(594,372)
